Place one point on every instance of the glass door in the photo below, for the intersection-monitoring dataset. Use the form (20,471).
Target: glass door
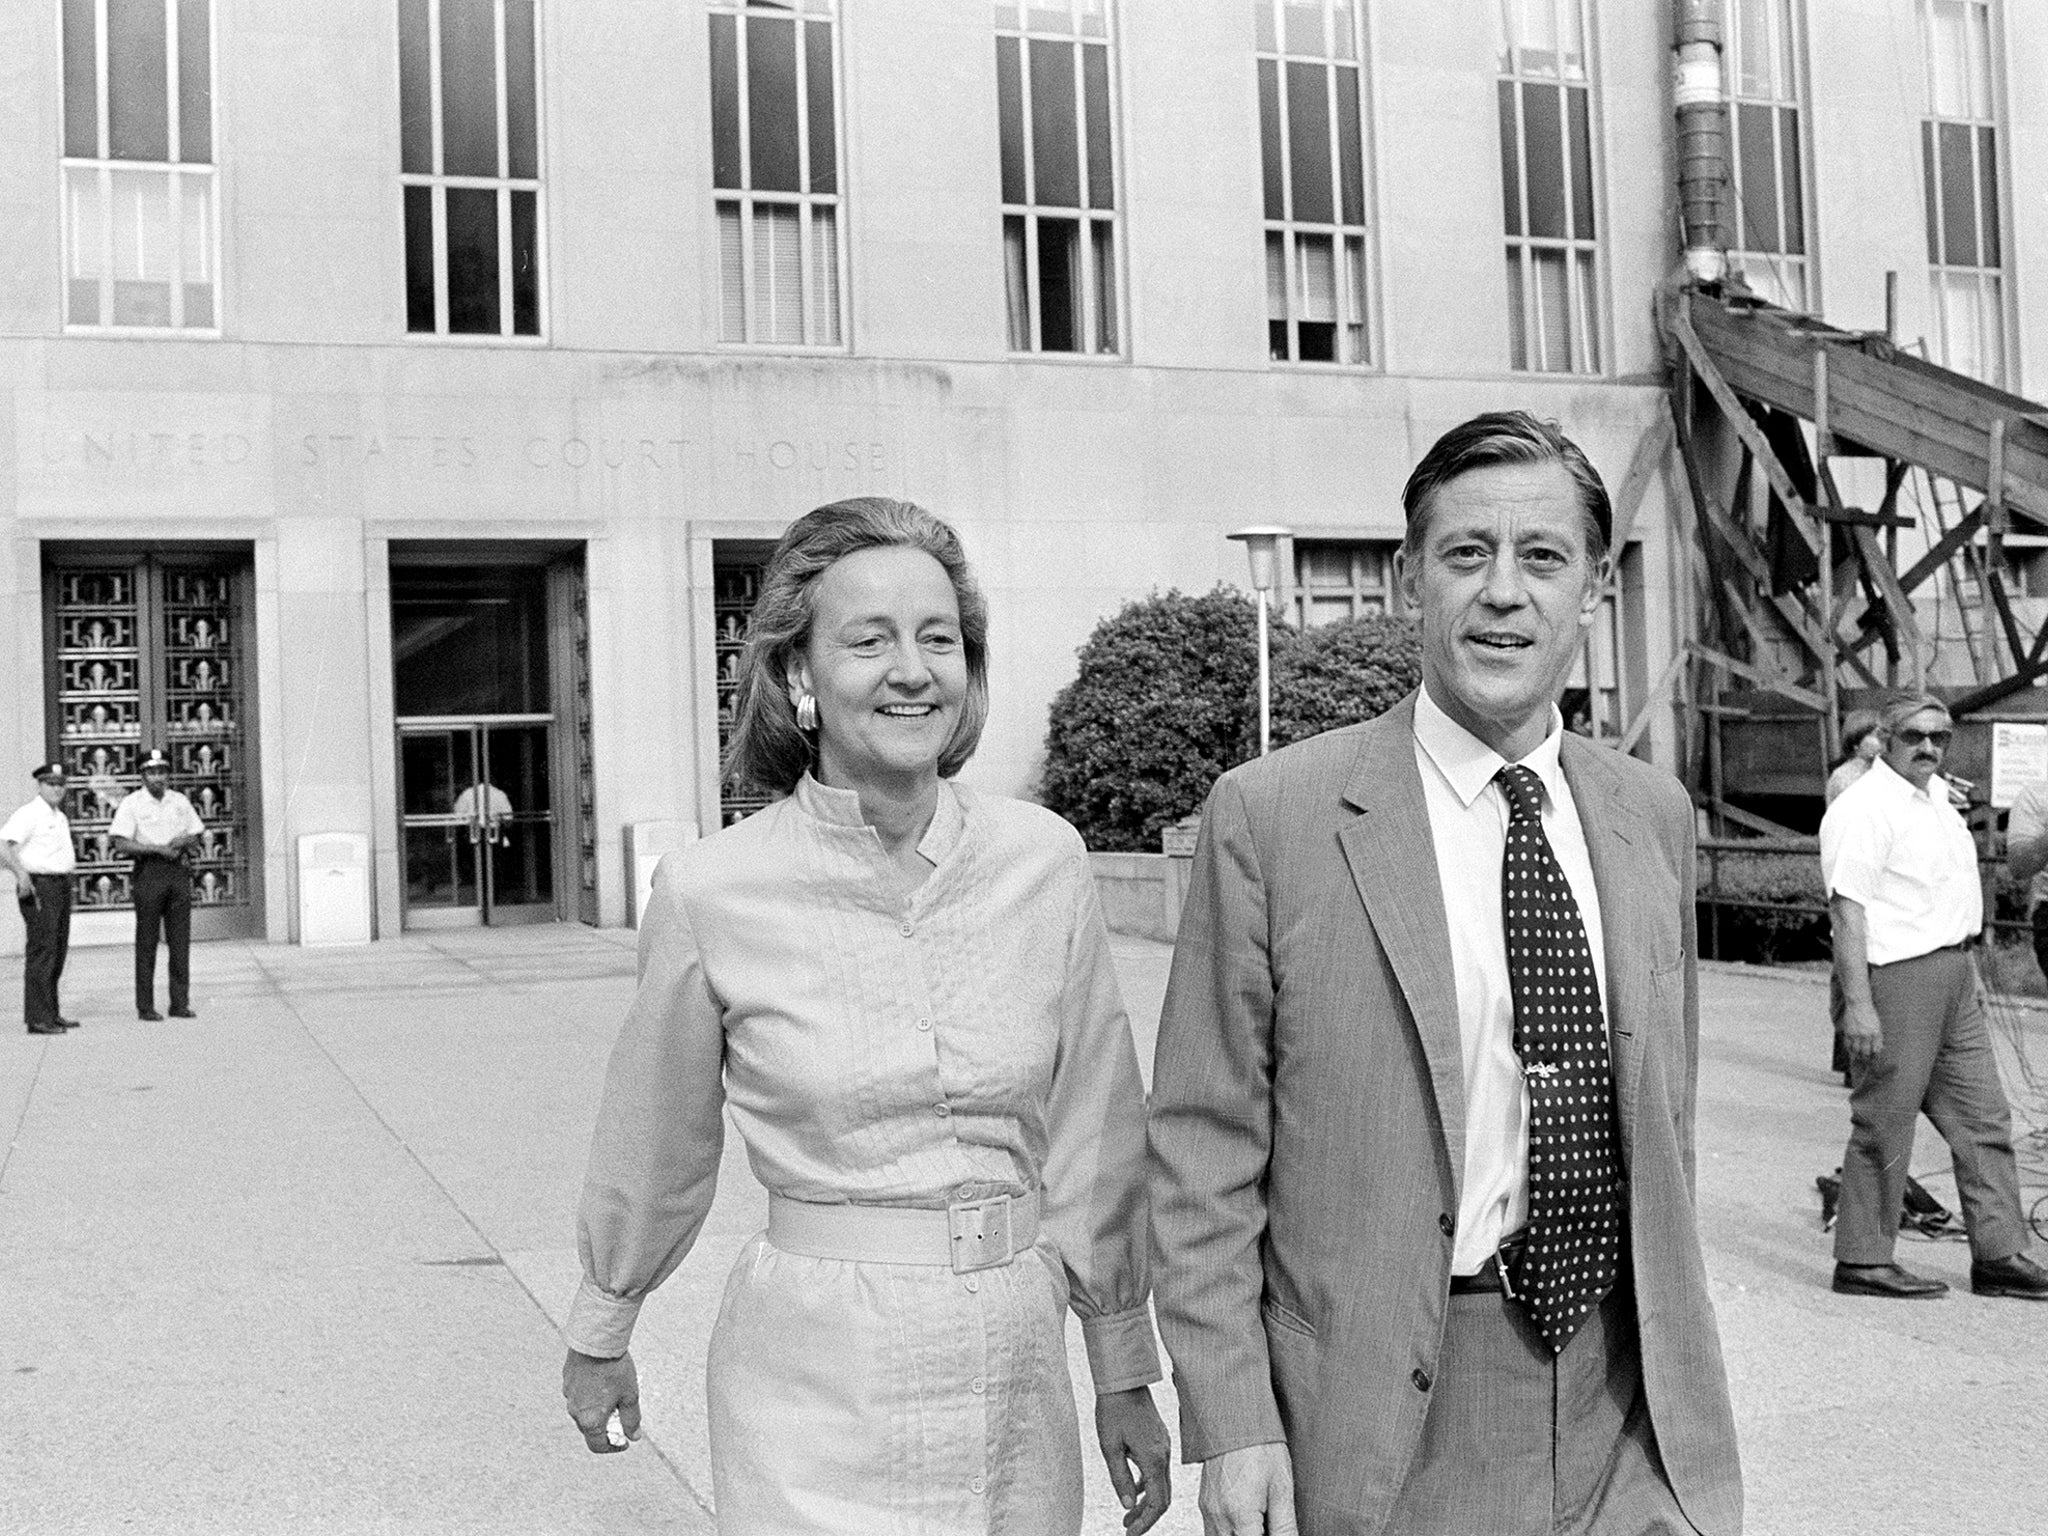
(479,822)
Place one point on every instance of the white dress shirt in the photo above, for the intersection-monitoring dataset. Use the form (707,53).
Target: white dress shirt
(1468,824)
(146,819)
(1906,857)
(43,834)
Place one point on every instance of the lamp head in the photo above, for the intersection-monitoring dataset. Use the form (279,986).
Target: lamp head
(1261,545)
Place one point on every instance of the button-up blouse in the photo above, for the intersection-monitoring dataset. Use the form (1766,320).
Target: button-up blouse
(966,1041)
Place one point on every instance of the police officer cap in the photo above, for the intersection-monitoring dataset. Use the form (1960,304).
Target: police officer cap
(48,773)
(156,759)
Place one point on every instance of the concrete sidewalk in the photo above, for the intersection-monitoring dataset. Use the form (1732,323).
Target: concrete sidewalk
(299,1265)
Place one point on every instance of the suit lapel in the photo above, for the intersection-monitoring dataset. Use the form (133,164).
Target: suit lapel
(1615,842)
(1393,863)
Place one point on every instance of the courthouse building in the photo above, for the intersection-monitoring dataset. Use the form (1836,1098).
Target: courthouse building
(400,395)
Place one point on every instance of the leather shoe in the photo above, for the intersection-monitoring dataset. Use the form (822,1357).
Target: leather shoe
(149,1015)
(2017,1276)
(1886,1280)
(69,1023)
(46,1029)
(183,1013)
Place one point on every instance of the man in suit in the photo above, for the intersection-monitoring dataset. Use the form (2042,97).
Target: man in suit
(1422,1112)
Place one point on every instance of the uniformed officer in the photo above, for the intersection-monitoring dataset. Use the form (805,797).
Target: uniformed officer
(35,847)
(154,826)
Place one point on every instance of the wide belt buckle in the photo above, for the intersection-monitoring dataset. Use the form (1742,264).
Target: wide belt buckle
(981,1234)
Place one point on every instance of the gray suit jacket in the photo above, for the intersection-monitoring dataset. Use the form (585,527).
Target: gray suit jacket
(1308,1118)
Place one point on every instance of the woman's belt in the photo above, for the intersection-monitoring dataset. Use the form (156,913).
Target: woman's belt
(965,1236)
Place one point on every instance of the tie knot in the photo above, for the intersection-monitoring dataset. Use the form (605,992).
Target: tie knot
(1524,791)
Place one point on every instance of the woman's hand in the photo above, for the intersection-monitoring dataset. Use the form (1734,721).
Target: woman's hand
(593,1388)
(1128,1428)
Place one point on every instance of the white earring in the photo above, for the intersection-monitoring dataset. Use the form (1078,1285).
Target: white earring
(807,713)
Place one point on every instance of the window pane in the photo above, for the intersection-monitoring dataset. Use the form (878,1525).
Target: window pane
(778,273)
(1518,323)
(1102,238)
(725,103)
(1010,115)
(419,258)
(1576,98)
(1095,83)
(732,273)
(1510,160)
(85,211)
(1016,284)
(1928,183)
(1302,25)
(472,257)
(1958,196)
(415,90)
(1553,312)
(1544,160)
(1318,277)
(469,96)
(1354,300)
(138,82)
(1276,275)
(1308,142)
(1323,565)
(1343,30)
(196,249)
(1056,163)
(824,129)
(81,81)
(1262,26)
(1329,610)
(1987,195)
(1753,67)
(1585,354)
(1756,179)
(825,276)
(144,256)
(771,104)
(1794,210)
(1059,284)
(195,84)
(1350,145)
(1269,138)
(522,149)
(525,263)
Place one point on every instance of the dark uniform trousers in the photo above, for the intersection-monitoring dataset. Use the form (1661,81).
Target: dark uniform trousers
(163,899)
(47,916)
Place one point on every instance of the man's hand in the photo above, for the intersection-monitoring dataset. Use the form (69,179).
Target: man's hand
(593,1388)
(1128,1428)
(1249,1492)
(24,885)
(1862,1034)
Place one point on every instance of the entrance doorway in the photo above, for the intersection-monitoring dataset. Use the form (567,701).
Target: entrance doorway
(479,817)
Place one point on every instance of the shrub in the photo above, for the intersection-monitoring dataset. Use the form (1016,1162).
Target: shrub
(1340,674)
(1164,702)
(1773,905)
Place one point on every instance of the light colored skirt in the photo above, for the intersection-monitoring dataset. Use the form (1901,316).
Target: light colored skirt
(867,1399)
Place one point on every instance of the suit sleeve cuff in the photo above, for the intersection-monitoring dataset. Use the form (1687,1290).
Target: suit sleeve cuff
(600,1324)
(1121,1351)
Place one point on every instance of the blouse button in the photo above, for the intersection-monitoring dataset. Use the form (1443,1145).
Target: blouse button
(979,1385)
(907,928)
(978,1485)
(924,1024)
(942,1110)
(973,1284)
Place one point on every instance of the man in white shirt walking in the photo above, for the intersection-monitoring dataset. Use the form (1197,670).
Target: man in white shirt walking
(35,847)
(1901,873)
(154,826)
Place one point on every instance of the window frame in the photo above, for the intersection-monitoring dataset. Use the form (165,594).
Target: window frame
(1353,308)
(106,166)
(747,198)
(1989,282)
(1792,276)
(440,183)
(1088,314)
(1301,594)
(1587,302)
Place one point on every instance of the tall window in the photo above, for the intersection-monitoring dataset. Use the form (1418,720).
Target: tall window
(775,168)
(1959,154)
(469,110)
(1546,162)
(140,229)
(1059,175)
(1314,151)
(1337,579)
(1767,227)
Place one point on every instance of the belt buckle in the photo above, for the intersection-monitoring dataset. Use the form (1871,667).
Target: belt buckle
(981,1234)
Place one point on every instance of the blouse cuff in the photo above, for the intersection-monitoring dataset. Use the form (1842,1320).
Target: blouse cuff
(1121,1351)
(600,1324)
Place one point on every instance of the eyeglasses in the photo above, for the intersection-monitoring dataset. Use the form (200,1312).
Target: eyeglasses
(1913,738)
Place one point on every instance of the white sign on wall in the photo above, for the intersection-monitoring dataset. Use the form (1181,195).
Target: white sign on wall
(2019,757)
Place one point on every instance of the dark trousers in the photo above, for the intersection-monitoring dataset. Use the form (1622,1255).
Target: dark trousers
(1937,1058)
(163,899)
(2039,918)
(48,916)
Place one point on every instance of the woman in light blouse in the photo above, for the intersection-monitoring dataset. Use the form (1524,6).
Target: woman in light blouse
(902,991)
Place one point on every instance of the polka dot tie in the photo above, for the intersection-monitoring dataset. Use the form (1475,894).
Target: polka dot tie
(1575,1188)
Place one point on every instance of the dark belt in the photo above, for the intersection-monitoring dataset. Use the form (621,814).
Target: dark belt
(1497,1275)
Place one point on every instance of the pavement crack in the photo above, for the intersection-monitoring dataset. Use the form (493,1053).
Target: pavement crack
(14,1137)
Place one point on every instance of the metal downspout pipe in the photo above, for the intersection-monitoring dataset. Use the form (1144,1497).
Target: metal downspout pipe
(1702,114)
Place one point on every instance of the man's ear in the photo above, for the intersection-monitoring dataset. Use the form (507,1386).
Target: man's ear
(1596,588)
(1405,578)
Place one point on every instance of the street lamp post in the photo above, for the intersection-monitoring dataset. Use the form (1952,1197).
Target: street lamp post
(1261,545)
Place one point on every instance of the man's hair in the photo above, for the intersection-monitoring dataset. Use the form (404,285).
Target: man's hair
(1506,437)
(768,750)
(1901,707)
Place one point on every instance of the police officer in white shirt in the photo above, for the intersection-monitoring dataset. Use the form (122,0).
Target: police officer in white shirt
(1901,872)
(154,826)
(35,847)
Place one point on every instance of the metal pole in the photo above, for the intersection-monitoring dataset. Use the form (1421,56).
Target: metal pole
(1265,683)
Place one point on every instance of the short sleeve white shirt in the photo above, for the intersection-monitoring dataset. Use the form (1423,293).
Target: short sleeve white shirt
(147,819)
(43,834)
(1905,856)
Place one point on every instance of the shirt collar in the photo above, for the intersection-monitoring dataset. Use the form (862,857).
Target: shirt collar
(1469,764)
(841,808)
(1896,784)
